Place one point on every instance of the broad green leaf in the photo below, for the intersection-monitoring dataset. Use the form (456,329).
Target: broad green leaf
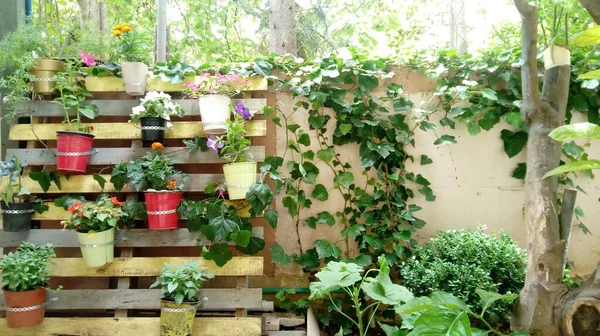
(326,155)
(101,180)
(514,142)
(304,139)
(574,166)
(382,289)
(489,94)
(425,160)
(325,249)
(410,311)
(367,83)
(391,330)
(445,139)
(448,300)
(218,253)
(584,130)
(520,172)
(595,74)
(320,193)
(440,321)
(223,226)
(272,217)
(488,298)
(345,128)
(514,119)
(588,37)
(255,245)
(291,204)
(278,255)
(241,238)
(344,179)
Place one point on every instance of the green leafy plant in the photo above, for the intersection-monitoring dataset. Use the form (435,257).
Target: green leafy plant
(173,72)
(181,284)
(347,277)
(155,170)
(27,268)
(91,217)
(233,146)
(14,192)
(132,45)
(110,69)
(228,85)
(156,105)
(461,261)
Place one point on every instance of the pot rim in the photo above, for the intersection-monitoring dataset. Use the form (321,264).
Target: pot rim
(240,163)
(164,191)
(67,132)
(115,229)
(44,287)
(173,301)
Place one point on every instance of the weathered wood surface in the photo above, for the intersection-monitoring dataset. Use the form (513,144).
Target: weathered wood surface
(142,326)
(112,156)
(45,108)
(123,238)
(124,130)
(115,84)
(138,267)
(86,184)
(216,298)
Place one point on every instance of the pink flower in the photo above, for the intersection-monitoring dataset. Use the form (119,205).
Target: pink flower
(213,91)
(88,60)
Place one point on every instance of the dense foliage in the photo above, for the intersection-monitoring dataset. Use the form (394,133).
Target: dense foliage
(90,217)
(461,261)
(27,268)
(182,283)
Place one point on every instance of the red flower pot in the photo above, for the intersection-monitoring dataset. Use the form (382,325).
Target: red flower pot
(33,300)
(161,207)
(73,150)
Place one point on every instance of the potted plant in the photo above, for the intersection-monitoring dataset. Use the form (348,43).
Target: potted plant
(214,94)
(24,281)
(154,113)
(95,224)
(74,145)
(179,288)
(17,208)
(155,173)
(240,173)
(131,48)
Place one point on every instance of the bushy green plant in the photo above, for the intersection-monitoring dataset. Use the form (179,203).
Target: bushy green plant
(27,268)
(73,95)
(173,72)
(461,261)
(182,283)
(91,217)
(233,146)
(156,105)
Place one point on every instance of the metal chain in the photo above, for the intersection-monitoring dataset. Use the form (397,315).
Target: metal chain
(162,212)
(16,212)
(74,153)
(97,245)
(31,308)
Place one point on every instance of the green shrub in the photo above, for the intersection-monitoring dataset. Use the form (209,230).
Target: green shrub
(460,261)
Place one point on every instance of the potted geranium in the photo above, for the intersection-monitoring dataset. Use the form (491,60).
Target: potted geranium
(24,281)
(240,172)
(132,50)
(179,287)
(95,224)
(154,113)
(214,94)
(74,145)
(155,173)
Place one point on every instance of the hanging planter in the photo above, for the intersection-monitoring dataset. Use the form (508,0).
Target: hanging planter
(135,77)
(73,150)
(44,71)
(153,129)
(177,320)
(214,112)
(98,248)
(239,177)
(25,309)
(16,216)
(161,209)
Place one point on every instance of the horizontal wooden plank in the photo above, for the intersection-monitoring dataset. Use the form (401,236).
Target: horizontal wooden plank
(137,267)
(46,108)
(142,326)
(226,298)
(124,238)
(86,184)
(124,130)
(111,156)
(115,84)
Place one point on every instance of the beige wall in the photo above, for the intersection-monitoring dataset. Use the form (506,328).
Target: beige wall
(471,180)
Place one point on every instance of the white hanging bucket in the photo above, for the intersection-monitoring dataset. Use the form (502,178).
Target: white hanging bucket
(214,111)
(135,77)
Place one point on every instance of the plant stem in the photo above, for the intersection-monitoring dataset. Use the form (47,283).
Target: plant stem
(491,329)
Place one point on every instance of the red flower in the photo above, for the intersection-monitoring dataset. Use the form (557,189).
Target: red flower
(91,128)
(172,184)
(115,201)
(75,207)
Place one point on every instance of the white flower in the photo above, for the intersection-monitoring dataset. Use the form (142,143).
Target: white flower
(164,95)
(170,106)
(138,110)
(166,116)
(152,95)
(169,125)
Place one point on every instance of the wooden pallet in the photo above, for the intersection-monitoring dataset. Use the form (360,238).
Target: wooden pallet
(125,298)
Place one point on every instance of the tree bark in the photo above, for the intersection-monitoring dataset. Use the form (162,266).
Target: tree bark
(546,306)
(593,7)
(282,27)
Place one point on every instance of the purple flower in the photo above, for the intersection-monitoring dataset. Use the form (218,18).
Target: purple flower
(242,110)
(221,193)
(214,144)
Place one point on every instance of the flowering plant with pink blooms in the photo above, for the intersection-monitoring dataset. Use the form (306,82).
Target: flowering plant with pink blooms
(216,84)
(233,146)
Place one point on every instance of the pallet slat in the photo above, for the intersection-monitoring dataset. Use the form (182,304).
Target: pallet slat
(216,298)
(123,238)
(138,267)
(206,326)
(115,84)
(45,108)
(124,130)
(111,156)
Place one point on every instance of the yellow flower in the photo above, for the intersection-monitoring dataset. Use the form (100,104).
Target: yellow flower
(116,33)
(126,28)
(118,27)
(172,184)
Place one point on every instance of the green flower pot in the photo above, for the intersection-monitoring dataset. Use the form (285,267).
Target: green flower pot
(98,249)
(177,320)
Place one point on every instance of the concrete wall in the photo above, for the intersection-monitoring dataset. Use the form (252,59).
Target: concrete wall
(471,180)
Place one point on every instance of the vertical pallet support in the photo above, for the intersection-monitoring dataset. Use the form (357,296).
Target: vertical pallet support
(241,282)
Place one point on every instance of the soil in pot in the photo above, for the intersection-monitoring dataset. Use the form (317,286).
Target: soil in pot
(161,207)
(153,129)
(97,249)
(177,320)
(73,150)
(16,216)
(35,299)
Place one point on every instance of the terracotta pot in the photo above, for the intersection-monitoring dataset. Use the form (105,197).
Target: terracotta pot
(33,316)
(177,320)
(43,71)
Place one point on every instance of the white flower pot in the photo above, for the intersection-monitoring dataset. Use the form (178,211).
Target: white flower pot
(214,111)
(135,77)
(239,177)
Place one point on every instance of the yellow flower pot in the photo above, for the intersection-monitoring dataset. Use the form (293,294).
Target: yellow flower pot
(98,249)
(43,71)
(104,84)
(177,320)
(239,177)
(157,84)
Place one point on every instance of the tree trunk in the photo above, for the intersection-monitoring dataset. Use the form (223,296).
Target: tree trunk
(282,27)
(546,307)
(458,25)
(93,15)
(593,7)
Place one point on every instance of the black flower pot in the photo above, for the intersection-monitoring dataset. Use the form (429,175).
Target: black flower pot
(153,129)
(16,216)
